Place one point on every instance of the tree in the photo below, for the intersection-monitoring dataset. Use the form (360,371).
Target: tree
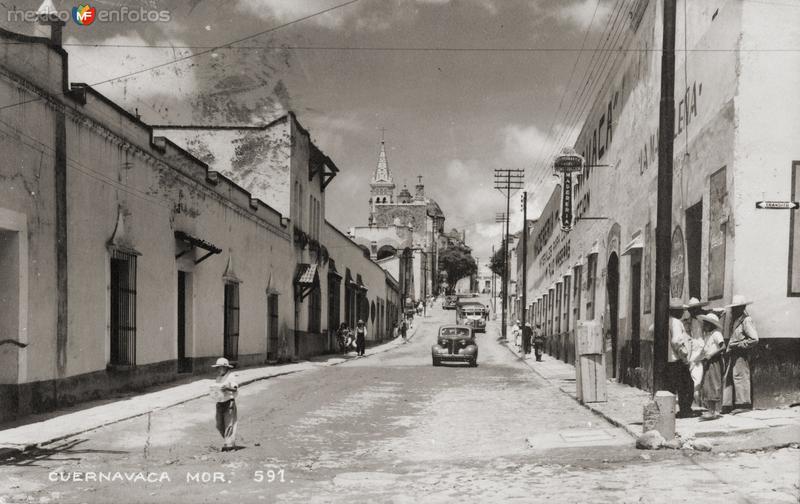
(496,264)
(457,262)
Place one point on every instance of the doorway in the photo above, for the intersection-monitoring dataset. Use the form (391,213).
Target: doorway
(612,322)
(184,362)
(694,247)
(636,305)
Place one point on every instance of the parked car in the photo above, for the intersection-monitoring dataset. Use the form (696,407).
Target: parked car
(450,302)
(455,343)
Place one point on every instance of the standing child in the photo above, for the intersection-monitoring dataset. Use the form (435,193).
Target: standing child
(224,391)
(712,365)
(361,338)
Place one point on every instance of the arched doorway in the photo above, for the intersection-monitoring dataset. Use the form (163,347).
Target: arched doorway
(611,322)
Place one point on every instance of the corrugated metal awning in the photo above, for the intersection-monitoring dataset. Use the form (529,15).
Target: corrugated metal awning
(634,246)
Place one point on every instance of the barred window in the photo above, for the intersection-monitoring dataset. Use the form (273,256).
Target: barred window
(231,321)
(123,308)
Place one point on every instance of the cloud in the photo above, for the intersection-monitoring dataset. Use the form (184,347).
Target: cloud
(525,145)
(284,11)
(580,13)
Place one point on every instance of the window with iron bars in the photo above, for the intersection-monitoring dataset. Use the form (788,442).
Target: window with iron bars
(123,309)
(231,321)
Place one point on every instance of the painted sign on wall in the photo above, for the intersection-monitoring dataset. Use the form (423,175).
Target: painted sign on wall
(717,223)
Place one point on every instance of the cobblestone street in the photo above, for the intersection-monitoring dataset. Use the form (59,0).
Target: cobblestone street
(392,428)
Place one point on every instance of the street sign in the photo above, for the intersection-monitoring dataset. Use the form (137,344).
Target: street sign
(777,205)
(568,161)
(567,220)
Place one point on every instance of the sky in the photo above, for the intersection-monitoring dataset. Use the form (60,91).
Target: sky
(462,87)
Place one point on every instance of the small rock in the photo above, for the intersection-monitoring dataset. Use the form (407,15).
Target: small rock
(702,445)
(673,444)
(650,440)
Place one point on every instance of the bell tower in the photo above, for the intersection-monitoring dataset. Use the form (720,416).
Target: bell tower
(382,185)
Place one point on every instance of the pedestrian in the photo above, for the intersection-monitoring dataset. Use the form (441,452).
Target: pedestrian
(224,391)
(694,326)
(527,335)
(679,380)
(538,341)
(744,339)
(516,333)
(712,365)
(361,338)
(404,330)
(342,336)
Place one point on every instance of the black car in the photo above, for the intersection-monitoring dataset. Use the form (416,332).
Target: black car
(455,343)
(450,302)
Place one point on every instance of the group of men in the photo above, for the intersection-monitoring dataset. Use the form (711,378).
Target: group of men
(701,367)
(525,335)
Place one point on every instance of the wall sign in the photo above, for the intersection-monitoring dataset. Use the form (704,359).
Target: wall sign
(678,264)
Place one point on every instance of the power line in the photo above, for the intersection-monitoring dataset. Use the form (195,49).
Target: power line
(209,50)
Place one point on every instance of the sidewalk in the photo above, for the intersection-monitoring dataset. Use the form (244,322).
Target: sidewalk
(624,408)
(89,416)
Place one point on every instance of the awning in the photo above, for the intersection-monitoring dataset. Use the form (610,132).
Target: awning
(196,242)
(635,245)
(306,279)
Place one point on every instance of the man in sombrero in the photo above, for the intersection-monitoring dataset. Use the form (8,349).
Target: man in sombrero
(679,380)
(744,339)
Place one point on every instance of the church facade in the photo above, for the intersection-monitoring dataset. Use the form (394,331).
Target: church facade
(403,232)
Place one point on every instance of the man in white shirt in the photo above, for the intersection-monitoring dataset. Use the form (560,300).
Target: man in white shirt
(678,377)
(224,391)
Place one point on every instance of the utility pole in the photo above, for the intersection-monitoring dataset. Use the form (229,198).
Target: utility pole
(507,181)
(494,303)
(524,257)
(666,129)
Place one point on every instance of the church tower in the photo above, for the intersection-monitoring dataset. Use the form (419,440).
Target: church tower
(382,185)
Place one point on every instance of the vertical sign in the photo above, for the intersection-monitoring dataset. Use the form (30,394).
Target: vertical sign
(794,235)
(678,264)
(717,224)
(566,202)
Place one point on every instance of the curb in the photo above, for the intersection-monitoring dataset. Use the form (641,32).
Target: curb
(8,451)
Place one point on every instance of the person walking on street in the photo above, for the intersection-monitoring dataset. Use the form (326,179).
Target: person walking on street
(527,335)
(679,380)
(361,338)
(224,391)
(538,341)
(403,330)
(712,365)
(517,333)
(744,338)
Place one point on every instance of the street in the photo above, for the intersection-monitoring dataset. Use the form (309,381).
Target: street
(392,428)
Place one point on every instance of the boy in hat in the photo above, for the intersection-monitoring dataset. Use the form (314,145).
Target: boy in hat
(680,382)
(538,341)
(694,326)
(744,337)
(361,338)
(224,391)
(712,365)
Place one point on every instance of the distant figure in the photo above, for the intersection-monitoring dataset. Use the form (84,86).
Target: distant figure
(224,391)
(403,329)
(527,335)
(342,336)
(517,333)
(744,338)
(538,341)
(361,338)
(712,365)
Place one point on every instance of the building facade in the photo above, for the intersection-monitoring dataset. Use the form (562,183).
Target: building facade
(127,260)
(734,145)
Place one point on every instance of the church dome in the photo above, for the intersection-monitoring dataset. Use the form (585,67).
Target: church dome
(434,210)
